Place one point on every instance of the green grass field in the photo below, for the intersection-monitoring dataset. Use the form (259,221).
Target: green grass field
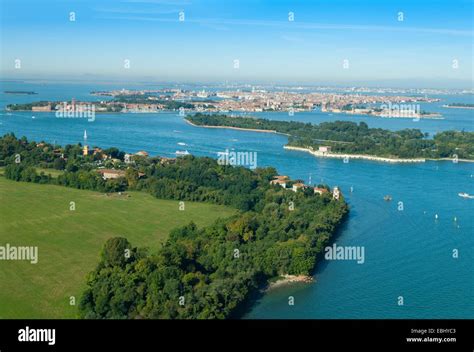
(69,242)
(54,173)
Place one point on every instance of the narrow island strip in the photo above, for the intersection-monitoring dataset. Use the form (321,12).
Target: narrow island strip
(236,128)
(349,140)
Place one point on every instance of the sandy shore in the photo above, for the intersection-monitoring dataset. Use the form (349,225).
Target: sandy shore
(353,156)
(288,279)
(458,107)
(451,159)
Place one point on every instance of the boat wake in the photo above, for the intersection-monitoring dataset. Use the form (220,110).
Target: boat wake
(465,195)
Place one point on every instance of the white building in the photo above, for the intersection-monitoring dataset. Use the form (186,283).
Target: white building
(336,193)
(325,149)
(297,186)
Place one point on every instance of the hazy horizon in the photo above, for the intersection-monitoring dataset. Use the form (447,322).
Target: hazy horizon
(394,43)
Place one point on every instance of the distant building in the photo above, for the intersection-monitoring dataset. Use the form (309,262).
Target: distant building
(320,191)
(325,149)
(336,193)
(101,153)
(280,177)
(142,153)
(164,160)
(110,173)
(298,186)
(128,158)
(41,108)
(85,150)
(282,183)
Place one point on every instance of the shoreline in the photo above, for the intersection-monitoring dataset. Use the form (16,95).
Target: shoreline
(287,280)
(369,157)
(332,155)
(353,156)
(96,112)
(237,128)
(451,159)
(458,107)
(429,116)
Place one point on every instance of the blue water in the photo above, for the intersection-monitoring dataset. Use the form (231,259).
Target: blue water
(407,253)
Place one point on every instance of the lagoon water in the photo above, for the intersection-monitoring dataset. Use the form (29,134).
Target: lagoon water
(408,253)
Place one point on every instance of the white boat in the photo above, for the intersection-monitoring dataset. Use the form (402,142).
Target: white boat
(465,195)
(182,152)
(181,143)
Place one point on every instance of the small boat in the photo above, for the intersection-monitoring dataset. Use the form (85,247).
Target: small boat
(182,152)
(387,198)
(465,195)
(181,143)
(33,117)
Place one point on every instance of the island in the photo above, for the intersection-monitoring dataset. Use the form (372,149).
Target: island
(20,92)
(279,229)
(345,140)
(122,104)
(243,100)
(385,110)
(459,106)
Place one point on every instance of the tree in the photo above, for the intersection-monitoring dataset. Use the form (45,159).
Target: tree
(59,164)
(117,251)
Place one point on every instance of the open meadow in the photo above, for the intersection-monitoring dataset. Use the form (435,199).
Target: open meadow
(69,241)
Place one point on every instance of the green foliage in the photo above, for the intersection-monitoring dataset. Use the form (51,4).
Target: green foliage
(199,272)
(26,106)
(115,252)
(207,273)
(347,137)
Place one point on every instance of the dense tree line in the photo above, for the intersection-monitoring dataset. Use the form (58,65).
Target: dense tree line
(199,272)
(347,137)
(462,105)
(21,158)
(26,106)
(116,104)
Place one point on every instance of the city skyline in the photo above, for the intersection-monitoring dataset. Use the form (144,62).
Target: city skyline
(392,43)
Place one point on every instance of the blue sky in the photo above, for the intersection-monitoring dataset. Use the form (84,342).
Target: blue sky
(432,37)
